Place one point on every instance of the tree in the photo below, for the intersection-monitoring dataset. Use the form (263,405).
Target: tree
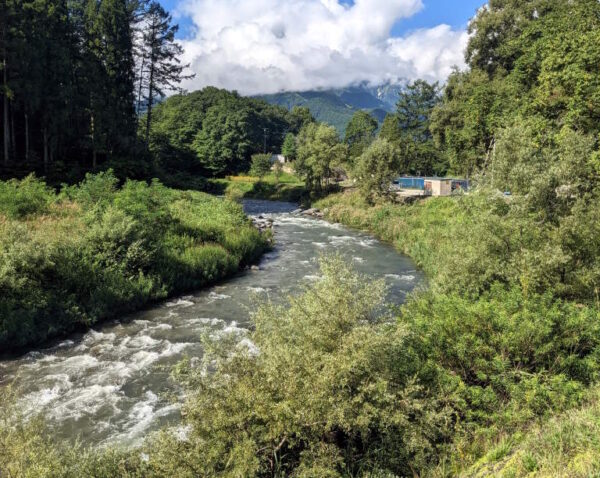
(360,132)
(160,53)
(261,165)
(319,150)
(376,168)
(390,129)
(288,149)
(278,170)
(415,106)
(299,117)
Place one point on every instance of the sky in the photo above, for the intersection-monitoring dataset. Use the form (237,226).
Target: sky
(268,46)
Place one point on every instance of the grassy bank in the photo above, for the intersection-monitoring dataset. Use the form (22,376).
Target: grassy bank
(511,321)
(287,187)
(97,250)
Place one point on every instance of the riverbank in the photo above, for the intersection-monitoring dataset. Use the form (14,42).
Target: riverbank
(519,340)
(287,187)
(96,250)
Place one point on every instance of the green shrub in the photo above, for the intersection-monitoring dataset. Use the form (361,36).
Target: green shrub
(28,197)
(261,165)
(106,251)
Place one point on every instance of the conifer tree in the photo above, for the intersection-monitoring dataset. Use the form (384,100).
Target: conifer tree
(164,70)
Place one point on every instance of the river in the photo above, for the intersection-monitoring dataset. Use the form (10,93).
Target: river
(112,384)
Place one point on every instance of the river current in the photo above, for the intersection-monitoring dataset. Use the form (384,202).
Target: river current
(112,385)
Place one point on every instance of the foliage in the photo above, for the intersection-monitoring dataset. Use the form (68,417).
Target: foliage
(161,69)
(214,132)
(360,133)
(19,199)
(319,150)
(261,165)
(506,316)
(333,386)
(277,170)
(286,187)
(409,129)
(94,251)
(529,60)
(376,168)
(68,85)
(288,149)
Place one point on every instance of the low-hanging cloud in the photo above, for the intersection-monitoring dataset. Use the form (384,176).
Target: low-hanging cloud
(267,46)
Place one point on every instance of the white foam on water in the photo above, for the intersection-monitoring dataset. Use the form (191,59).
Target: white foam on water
(144,359)
(141,417)
(204,321)
(65,343)
(34,401)
(250,347)
(78,365)
(71,404)
(162,327)
(174,349)
(312,277)
(179,303)
(48,359)
(233,328)
(215,296)
(94,336)
(360,260)
(367,242)
(321,245)
(337,240)
(143,341)
(256,290)
(115,373)
(405,277)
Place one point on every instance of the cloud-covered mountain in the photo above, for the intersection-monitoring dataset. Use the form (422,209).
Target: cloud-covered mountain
(336,106)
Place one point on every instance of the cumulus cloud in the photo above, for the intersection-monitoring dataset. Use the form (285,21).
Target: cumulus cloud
(266,46)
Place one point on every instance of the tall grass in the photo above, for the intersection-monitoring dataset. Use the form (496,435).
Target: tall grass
(95,250)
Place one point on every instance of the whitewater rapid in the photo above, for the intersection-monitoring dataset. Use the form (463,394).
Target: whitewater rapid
(112,385)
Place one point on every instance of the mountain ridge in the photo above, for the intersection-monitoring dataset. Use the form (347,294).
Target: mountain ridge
(337,106)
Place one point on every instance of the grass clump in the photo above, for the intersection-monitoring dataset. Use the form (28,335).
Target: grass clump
(273,186)
(72,259)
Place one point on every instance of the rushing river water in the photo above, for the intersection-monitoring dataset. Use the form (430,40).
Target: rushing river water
(112,384)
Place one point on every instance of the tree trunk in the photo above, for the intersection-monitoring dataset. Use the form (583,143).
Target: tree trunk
(93,131)
(5,118)
(140,88)
(26,137)
(13,142)
(150,94)
(45,135)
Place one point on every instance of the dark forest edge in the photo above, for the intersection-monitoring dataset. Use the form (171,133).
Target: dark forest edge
(98,250)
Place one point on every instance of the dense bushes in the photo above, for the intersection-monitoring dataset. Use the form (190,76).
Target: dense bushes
(96,250)
(510,315)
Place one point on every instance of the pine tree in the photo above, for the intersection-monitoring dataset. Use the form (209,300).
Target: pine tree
(164,70)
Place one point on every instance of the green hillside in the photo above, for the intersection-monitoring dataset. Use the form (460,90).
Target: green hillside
(336,107)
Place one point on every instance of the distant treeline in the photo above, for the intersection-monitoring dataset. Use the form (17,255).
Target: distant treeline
(213,132)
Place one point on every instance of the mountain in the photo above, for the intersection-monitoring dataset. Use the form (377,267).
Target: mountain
(337,106)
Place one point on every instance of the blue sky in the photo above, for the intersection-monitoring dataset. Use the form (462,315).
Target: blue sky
(455,13)
(266,46)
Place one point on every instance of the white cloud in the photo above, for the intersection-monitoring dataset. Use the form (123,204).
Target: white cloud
(265,46)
